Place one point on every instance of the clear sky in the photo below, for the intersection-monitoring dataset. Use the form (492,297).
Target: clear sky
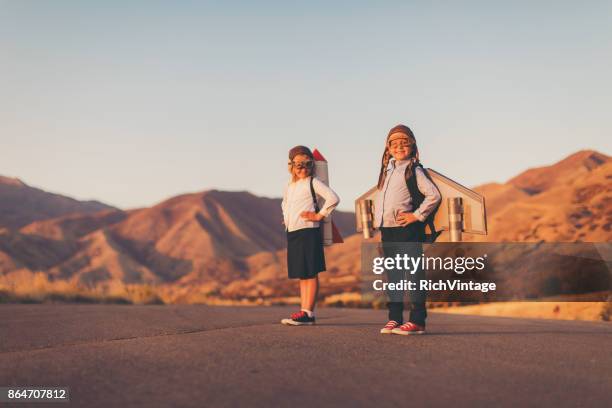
(133,102)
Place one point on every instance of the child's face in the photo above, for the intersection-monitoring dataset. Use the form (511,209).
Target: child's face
(400,149)
(302,166)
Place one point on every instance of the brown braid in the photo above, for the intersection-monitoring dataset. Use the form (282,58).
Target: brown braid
(386,157)
(383,167)
(414,162)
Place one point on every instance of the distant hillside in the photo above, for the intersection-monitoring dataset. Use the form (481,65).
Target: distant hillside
(230,245)
(200,237)
(568,170)
(568,201)
(21,204)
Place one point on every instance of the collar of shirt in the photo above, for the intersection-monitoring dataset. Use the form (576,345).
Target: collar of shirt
(397,164)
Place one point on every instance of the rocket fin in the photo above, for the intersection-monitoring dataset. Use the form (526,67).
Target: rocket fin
(336,237)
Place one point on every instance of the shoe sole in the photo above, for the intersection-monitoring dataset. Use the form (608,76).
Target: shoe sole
(386,331)
(407,333)
(289,322)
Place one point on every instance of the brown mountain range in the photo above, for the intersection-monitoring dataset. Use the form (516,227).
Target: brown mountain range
(229,245)
(568,201)
(21,204)
(193,239)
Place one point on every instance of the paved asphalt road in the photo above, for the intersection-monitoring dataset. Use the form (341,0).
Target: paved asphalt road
(200,356)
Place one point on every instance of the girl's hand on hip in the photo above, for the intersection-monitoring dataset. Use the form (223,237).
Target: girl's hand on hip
(405,218)
(311,216)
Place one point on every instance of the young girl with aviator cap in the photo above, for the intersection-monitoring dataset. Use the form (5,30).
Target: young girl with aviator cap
(400,215)
(302,218)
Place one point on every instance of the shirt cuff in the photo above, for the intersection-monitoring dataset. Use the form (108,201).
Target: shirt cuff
(419,216)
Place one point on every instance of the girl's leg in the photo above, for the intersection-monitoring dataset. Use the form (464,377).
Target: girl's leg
(309,295)
(418,309)
(395,304)
(314,292)
(303,303)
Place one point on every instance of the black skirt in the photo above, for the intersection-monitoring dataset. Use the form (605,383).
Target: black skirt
(305,255)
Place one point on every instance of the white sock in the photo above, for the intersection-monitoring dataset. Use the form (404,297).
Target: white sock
(308,312)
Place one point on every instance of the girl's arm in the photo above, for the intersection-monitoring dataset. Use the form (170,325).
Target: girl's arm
(330,197)
(284,204)
(431,193)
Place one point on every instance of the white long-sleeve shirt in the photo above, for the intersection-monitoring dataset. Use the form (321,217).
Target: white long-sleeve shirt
(298,198)
(395,196)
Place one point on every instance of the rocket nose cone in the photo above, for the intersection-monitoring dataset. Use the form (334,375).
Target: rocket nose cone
(318,156)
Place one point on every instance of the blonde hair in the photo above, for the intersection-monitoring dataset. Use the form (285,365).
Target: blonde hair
(295,151)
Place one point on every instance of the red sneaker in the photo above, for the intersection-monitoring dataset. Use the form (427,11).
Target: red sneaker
(299,319)
(409,328)
(388,329)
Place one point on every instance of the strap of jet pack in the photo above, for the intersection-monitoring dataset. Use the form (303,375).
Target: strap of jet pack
(418,198)
(314,196)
